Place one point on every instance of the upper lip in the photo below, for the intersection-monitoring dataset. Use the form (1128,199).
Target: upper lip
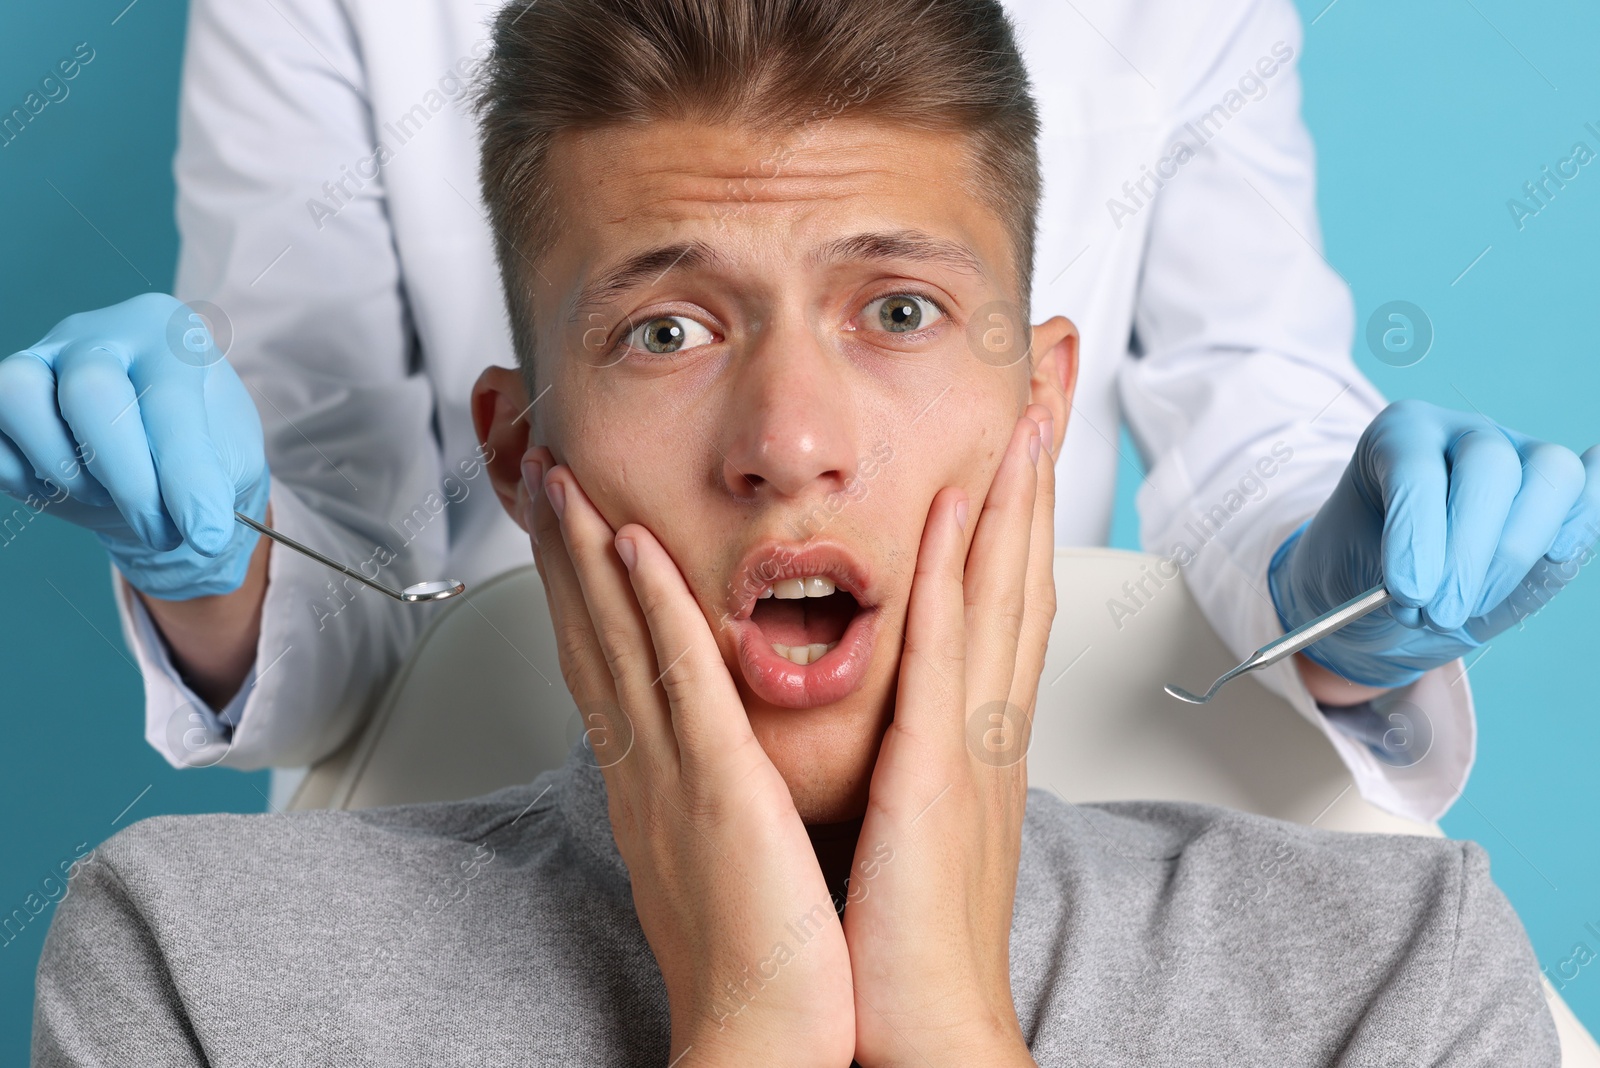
(774,560)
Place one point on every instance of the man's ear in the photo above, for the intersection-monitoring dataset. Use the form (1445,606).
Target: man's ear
(1055,372)
(499,415)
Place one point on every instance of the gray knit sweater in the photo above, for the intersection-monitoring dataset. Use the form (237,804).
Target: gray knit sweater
(501,931)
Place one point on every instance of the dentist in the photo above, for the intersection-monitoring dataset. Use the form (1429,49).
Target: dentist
(342,296)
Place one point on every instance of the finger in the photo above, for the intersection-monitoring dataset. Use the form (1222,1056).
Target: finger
(542,518)
(1552,479)
(1581,530)
(101,406)
(1039,597)
(1485,476)
(618,623)
(708,716)
(1415,484)
(195,488)
(933,661)
(583,664)
(17,478)
(45,451)
(997,569)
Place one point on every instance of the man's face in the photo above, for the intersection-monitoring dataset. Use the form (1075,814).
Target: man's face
(830,337)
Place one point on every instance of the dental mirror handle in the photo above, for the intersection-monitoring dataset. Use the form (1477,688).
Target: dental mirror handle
(284,539)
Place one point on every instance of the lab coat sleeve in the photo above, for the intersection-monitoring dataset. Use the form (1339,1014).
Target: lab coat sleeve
(178,723)
(296,256)
(1239,388)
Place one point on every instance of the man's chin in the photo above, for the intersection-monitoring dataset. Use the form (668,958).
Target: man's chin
(825,755)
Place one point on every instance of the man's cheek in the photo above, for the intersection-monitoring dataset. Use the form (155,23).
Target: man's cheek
(976,478)
(618,492)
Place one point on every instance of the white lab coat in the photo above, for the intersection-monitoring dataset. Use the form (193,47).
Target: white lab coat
(363,298)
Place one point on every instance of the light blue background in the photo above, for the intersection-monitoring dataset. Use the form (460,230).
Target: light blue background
(1428,115)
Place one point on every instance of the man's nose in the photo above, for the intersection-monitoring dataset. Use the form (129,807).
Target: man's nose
(791,420)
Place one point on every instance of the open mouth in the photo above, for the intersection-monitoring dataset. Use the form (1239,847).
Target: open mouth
(804,618)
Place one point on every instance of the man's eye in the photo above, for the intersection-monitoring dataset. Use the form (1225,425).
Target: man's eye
(903,313)
(667,334)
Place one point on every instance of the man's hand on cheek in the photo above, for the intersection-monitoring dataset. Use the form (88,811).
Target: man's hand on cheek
(928,919)
(727,888)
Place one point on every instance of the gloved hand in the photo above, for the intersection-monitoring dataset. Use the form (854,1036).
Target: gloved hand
(128,421)
(1473,528)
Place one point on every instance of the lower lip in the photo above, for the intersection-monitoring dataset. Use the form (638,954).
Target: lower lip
(780,681)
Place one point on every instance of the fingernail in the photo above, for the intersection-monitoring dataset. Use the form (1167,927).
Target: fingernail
(533,475)
(557,494)
(628,551)
(1033,448)
(1047,431)
(961,515)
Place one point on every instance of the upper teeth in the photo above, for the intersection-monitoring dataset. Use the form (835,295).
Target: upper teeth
(808,586)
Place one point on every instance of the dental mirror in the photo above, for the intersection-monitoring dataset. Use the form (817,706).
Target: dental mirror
(418,593)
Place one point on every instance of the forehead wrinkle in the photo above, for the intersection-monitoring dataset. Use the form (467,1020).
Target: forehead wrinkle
(827,171)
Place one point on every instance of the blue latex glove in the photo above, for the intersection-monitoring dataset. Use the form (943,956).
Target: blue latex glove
(1473,528)
(128,421)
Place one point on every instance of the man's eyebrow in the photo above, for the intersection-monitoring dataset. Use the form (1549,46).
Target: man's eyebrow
(650,265)
(898,245)
(653,264)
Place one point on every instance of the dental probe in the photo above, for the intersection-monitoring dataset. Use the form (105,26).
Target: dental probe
(1296,640)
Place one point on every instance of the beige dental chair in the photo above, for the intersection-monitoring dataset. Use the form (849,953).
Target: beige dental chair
(1103,729)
